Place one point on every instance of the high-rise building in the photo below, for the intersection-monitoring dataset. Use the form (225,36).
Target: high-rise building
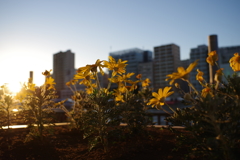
(134,58)
(200,53)
(226,53)
(103,80)
(166,61)
(63,71)
(146,70)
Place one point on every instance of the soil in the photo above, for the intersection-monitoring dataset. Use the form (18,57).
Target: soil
(66,144)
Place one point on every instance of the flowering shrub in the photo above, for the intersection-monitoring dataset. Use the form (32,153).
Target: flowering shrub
(38,102)
(102,107)
(212,120)
(214,116)
(7,104)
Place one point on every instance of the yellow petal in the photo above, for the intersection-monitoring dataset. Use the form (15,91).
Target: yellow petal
(169,93)
(154,94)
(160,92)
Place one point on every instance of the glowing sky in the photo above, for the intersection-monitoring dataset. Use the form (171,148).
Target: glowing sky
(31,31)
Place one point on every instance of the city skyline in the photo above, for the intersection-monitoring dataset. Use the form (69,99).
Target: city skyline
(32,31)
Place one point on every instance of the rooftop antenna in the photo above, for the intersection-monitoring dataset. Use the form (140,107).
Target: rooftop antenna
(212,46)
(31,77)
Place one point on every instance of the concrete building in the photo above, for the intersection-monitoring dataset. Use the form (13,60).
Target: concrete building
(226,53)
(103,80)
(166,61)
(63,71)
(200,53)
(146,69)
(135,57)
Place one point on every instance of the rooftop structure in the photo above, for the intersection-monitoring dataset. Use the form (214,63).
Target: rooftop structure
(200,53)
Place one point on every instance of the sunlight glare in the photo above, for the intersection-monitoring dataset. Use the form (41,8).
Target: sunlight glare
(15,110)
(14,87)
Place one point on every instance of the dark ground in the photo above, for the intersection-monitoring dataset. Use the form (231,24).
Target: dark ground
(64,144)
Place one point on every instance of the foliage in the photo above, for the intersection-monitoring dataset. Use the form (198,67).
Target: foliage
(213,119)
(133,112)
(102,107)
(37,103)
(6,108)
(99,115)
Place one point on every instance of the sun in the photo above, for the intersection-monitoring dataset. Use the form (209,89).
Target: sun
(14,87)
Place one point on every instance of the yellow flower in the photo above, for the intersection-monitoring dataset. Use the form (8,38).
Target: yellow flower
(89,90)
(86,78)
(129,88)
(133,84)
(126,76)
(199,76)
(235,62)
(177,85)
(118,67)
(31,86)
(119,97)
(146,82)
(115,79)
(105,90)
(22,94)
(68,83)
(3,86)
(121,88)
(71,82)
(139,76)
(50,82)
(46,73)
(182,73)
(212,57)
(92,68)
(160,97)
(122,78)
(207,91)
(218,75)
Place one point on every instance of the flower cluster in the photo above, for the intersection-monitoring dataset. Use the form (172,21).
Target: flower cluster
(88,76)
(235,62)
(183,74)
(212,114)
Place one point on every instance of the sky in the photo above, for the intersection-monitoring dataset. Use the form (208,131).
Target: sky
(31,31)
